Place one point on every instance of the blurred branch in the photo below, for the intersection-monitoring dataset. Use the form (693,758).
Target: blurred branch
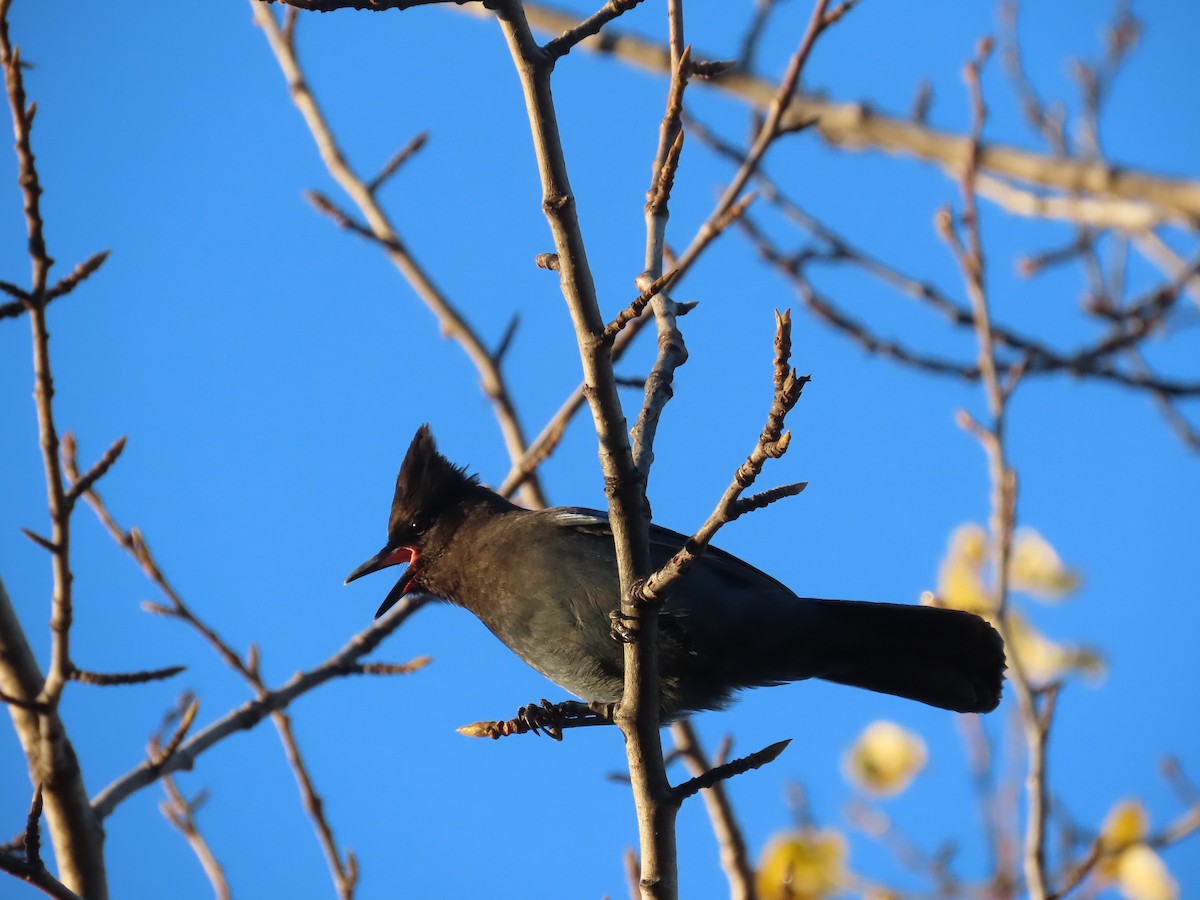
(27,863)
(735,859)
(181,813)
(344,868)
(254,711)
(1097,360)
(856,126)
(76,834)
(968,251)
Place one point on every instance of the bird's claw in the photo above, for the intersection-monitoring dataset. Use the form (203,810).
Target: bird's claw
(623,628)
(544,718)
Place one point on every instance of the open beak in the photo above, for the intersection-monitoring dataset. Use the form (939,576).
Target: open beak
(388,556)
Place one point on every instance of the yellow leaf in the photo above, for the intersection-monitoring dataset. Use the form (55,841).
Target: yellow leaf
(1142,875)
(1125,824)
(1036,568)
(960,576)
(968,545)
(885,759)
(808,864)
(1043,660)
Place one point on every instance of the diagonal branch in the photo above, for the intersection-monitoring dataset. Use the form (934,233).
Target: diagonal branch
(857,126)
(254,711)
(362,194)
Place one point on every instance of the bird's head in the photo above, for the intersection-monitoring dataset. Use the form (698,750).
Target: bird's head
(428,486)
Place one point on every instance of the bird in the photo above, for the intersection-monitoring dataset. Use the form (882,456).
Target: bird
(545,583)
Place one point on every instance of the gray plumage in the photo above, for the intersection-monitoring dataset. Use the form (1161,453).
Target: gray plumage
(545,581)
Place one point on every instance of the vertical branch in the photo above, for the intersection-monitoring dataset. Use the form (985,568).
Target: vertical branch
(637,713)
(43,391)
(672,352)
(74,830)
(1003,478)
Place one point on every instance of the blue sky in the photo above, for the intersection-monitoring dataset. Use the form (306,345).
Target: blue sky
(269,372)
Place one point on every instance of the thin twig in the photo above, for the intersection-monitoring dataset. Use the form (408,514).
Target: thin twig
(969,254)
(181,813)
(255,710)
(735,859)
(729,770)
(855,126)
(772,443)
(108,679)
(75,832)
(561,45)
(344,868)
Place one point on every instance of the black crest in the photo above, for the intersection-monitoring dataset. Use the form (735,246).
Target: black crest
(428,484)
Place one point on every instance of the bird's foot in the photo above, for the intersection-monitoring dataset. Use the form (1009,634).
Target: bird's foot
(544,718)
(623,628)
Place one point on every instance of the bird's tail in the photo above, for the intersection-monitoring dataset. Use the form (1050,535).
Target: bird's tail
(943,657)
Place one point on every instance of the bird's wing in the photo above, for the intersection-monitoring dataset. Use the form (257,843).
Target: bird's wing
(665,543)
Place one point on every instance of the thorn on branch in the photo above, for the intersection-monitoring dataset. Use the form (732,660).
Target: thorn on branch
(923,99)
(767,497)
(728,770)
(506,341)
(666,177)
(44,543)
(403,155)
(80,273)
(32,839)
(158,756)
(341,218)
(109,679)
(96,472)
(639,304)
(252,660)
(407,668)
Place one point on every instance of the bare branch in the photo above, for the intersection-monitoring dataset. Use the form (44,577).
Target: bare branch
(78,275)
(76,834)
(856,126)
(254,711)
(393,165)
(380,228)
(545,717)
(772,443)
(561,45)
(45,543)
(735,859)
(729,770)
(160,756)
(84,483)
(108,679)
(181,813)
(29,866)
